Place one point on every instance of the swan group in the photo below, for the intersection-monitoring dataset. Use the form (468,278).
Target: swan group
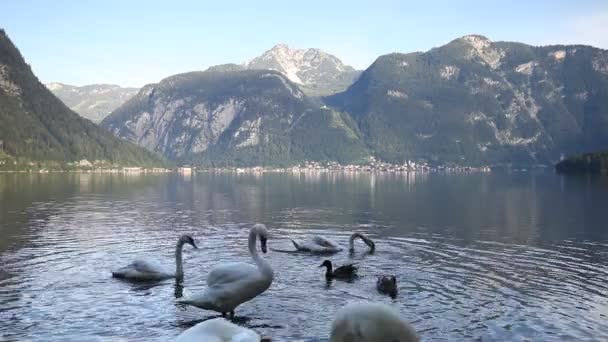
(321,245)
(151,270)
(232,284)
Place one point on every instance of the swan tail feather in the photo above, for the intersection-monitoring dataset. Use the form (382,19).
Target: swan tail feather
(296,244)
(118,274)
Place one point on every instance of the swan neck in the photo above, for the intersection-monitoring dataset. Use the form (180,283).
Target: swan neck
(257,258)
(179,268)
(351,241)
(329,271)
(368,242)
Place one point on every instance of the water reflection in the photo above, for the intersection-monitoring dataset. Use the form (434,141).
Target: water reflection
(477,256)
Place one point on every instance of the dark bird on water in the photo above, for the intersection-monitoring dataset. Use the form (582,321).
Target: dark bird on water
(347,271)
(387,285)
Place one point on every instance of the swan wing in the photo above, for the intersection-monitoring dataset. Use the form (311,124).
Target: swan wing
(148,266)
(227,290)
(143,269)
(231,273)
(313,247)
(324,242)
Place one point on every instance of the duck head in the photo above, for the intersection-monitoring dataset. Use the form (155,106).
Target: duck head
(327,264)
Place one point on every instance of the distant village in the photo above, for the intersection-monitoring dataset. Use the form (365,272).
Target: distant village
(372,165)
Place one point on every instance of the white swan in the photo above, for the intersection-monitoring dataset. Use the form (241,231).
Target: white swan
(320,245)
(147,269)
(370,322)
(232,284)
(218,330)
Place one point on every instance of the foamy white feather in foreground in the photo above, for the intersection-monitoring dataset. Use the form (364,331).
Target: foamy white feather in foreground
(231,284)
(218,330)
(370,322)
(149,269)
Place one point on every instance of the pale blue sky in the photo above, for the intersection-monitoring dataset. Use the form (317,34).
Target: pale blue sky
(137,42)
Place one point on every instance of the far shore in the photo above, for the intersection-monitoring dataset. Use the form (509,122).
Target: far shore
(315,167)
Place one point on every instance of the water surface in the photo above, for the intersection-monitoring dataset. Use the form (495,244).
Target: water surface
(500,256)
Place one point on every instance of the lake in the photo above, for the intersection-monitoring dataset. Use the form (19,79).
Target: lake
(480,256)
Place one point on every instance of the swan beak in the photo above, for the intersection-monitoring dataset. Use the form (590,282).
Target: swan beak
(194,245)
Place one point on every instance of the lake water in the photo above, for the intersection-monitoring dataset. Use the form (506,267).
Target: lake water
(496,256)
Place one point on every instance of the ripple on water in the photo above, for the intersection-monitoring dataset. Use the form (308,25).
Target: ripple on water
(58,282)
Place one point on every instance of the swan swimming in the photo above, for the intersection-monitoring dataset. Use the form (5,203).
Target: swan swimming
(232,284)
(370,322)
(148,269)
(321,245)
(219,330)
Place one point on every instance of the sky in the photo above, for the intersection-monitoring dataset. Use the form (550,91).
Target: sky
(132,43)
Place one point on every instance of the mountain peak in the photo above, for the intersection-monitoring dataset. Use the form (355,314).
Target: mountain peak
(473,37)
(318,72)
(280,47)
(476,40)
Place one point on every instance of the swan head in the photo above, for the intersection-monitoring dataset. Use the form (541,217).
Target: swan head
(187,239)
(261,231)
(369,242)
(326,263)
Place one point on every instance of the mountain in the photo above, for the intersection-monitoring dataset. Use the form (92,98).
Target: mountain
(475,101)
(596,162)
(36,126)
(93,102)
(314,71)
(471,101)
(227,115)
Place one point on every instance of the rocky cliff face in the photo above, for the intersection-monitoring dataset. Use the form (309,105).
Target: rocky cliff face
(93,102)
(232,116)
(476,101)
(315,71)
